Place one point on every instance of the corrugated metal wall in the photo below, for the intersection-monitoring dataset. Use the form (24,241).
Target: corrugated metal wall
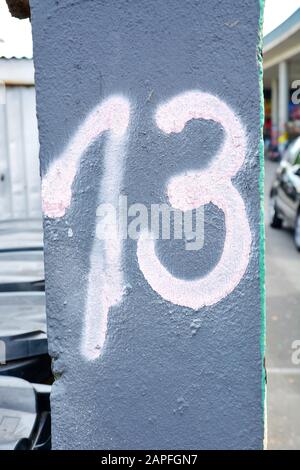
(19,148)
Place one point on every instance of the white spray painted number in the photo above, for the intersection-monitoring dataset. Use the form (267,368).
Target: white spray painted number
(105,282)
(194,189)
(185,192)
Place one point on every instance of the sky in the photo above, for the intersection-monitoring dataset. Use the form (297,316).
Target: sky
(15,35)
(277,11)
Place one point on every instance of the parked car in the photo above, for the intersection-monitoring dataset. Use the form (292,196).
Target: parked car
(285,192)
(25,366)
(24,415)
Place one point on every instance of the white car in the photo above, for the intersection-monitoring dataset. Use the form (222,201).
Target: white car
(285,192)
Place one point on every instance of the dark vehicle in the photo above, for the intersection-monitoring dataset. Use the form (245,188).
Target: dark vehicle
(273,153)
(285,192)
(23,337)
(24,415)
(25,366)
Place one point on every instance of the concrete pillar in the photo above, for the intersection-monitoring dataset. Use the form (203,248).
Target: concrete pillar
(283,78)
(156,336)
(274,108)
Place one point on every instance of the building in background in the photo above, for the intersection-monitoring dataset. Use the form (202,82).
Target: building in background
(19,147)
(19,164)
(281,71)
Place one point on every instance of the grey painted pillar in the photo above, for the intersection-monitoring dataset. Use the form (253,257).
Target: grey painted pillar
(283,78)
(144,108)
(274,107)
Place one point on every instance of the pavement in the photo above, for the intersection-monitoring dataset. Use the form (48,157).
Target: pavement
(283,328)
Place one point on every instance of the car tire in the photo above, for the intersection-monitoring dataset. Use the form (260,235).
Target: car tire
(275,221)
(297,232)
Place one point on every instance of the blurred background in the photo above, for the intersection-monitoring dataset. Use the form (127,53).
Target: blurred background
(23,340)
(282,190)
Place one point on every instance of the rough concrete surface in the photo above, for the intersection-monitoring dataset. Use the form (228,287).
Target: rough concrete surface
(169,376)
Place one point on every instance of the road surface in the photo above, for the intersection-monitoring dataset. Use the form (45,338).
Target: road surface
(283,328)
